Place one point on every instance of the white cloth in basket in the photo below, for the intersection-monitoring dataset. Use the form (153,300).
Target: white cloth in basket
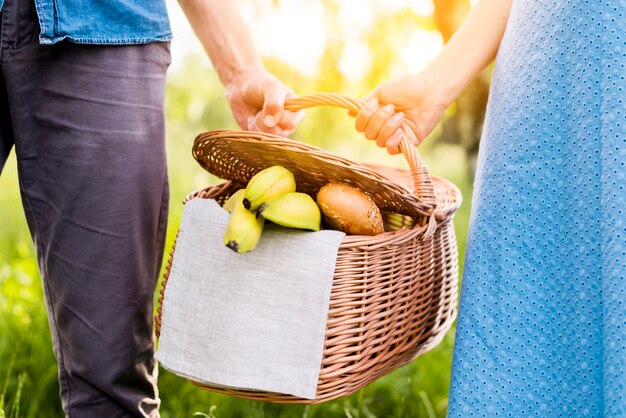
(252,321)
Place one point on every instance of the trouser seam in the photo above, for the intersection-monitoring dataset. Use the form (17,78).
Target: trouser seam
(61,359)
(3,13)
(162,225)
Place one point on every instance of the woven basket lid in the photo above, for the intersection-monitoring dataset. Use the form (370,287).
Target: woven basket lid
(239,155)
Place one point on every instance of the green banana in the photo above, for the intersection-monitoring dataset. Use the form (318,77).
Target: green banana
(230,202)
(295,210)
(244,228)
(268,184)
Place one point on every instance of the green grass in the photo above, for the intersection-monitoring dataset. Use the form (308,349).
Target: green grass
(31,389)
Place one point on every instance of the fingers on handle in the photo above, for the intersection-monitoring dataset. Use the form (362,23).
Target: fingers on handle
(389,128)
(378,119)
(290,120)
(393,143)
(285,126)
(273,103)
(364,116)
(251,124)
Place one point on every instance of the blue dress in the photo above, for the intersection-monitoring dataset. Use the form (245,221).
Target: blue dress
(542,322)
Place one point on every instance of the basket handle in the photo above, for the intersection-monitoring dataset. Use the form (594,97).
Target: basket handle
(420,178)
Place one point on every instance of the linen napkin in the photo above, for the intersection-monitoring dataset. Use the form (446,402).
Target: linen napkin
(252,321)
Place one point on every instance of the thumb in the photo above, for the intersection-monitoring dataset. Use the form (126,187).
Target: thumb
(273,103)
(374,94)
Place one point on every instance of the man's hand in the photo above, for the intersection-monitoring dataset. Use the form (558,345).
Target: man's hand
(257,98)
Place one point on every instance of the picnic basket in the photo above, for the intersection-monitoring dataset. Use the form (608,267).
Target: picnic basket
(394,295)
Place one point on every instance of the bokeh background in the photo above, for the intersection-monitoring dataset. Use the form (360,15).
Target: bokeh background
(346,46)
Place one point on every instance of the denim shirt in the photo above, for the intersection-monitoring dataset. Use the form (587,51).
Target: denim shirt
(107,22)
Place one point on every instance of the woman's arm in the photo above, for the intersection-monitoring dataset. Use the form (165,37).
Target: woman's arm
(255,96)
(425,96)
(472,47)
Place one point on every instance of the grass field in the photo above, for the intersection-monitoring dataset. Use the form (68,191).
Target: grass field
(416,390)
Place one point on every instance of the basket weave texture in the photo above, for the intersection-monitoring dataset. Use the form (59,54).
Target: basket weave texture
(394,295)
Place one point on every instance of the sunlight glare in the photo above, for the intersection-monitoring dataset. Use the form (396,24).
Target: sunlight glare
(355,61)
(422,49)
(297,31)
(294,32)
(422,7)
(355,14)
(391,6)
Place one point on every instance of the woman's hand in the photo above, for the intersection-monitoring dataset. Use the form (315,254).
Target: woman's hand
(421,105)
(257,99)
(423,98)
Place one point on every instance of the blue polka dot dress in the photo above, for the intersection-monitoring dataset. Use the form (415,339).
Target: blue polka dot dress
(541,329)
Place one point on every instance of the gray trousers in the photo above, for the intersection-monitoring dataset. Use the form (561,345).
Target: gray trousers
(87,125)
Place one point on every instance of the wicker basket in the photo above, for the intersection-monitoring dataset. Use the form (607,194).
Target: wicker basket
(394,295)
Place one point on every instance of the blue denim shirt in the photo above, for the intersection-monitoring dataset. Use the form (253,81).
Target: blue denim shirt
(102,21)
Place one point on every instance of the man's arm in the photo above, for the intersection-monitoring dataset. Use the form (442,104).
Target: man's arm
(256,97)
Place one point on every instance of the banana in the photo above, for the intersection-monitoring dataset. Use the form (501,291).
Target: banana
(295,210)
(268,184)
(244,228)
(230,203)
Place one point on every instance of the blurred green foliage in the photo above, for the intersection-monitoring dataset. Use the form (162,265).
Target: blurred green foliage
(195,102)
